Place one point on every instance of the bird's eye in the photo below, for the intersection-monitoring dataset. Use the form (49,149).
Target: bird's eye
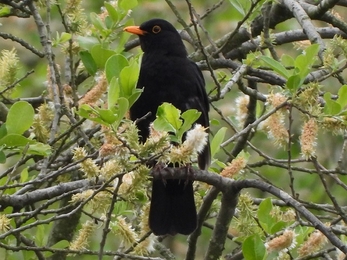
(156,29)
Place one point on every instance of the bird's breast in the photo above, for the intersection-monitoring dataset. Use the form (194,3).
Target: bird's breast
(167,76)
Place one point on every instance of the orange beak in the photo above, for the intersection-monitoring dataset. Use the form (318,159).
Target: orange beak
(134,29)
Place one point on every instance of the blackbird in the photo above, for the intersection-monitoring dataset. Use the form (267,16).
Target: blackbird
(167,75)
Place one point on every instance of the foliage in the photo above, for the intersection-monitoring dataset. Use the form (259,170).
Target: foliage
(74,180)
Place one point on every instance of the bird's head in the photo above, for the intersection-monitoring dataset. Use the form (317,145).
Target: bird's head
(158,35)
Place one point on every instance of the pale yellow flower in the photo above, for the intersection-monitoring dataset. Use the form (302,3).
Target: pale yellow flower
(308,138)
(4,223)
(314,242)
(283,242)
(84,234)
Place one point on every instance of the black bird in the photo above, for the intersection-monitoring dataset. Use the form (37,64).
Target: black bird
(167,75)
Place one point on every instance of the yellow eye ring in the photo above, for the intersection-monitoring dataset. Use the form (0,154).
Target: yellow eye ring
(156,29)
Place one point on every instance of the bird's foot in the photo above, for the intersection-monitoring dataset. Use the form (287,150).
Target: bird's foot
(189,173)
(157,171)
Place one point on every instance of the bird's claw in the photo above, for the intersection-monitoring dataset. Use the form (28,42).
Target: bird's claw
(189,173)
(157,171)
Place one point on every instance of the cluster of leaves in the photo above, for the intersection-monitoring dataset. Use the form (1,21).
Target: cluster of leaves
(122,78)
(20,118)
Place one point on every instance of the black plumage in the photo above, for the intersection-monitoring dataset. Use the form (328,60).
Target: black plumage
(167,75)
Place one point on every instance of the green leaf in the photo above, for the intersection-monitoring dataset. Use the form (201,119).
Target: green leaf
(302,233)
(278,226)
(214,122)
(264,215)
(90,113)
(123,78)
(342,99)
(61,244)
(305,61)
(40,235)
(238,6)
(4,11)
(112,12)
(55,41)
(24,254)
(64,37)
(136,94)
(123,107)
(253,248)
(244,155)
(123,38)
(109,23)
(20,117)
(40,149)
(128,78)
(287,60)
(24,175)
(221,165)
(60,39)
(101,55)
(161,124)
(2,157)
(3,130)
(97,22)
(276,66)
(86,108)
(311,53)
(217,141)
(189,117)
(128,4)
(107,116)
(87,42)
(114,66)
(169,119)
(343,113)
(88,62)
(294,83)
(331,107)
(113,93)
(302,65)
(171,114)
(19,141)
(46,254)
(121,208)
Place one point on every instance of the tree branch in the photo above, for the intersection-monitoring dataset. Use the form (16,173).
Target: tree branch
(20,201)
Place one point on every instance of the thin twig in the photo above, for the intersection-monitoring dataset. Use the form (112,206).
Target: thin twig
(23,43)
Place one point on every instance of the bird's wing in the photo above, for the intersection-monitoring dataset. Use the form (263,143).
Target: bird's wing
(200,101)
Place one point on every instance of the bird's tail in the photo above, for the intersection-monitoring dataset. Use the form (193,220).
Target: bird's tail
(172,207)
